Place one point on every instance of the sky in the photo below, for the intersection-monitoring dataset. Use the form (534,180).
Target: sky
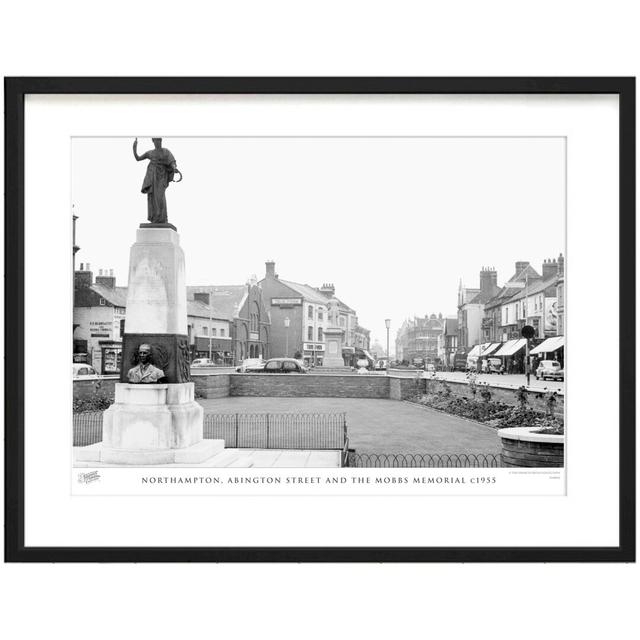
(395,223)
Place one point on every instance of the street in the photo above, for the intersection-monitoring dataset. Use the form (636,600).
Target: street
(506,380)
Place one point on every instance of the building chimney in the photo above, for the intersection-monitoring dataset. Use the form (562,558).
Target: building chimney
(328,289)
(270,269)
(521,266)
(82,278)
(106,280)
(488,282)
(549,269)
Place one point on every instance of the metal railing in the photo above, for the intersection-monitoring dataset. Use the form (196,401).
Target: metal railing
(247,430)
(429,460)
(278,430)
(87,428)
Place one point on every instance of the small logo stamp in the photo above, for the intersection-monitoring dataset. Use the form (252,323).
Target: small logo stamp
(88,477)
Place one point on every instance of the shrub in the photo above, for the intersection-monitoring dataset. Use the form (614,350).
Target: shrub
(99,402)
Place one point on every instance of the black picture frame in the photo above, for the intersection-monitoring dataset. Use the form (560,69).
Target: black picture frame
(15,91)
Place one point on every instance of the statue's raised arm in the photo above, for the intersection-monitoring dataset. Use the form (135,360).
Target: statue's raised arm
(144,156)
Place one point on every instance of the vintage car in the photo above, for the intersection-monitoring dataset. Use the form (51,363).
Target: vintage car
(251,365)
(283,365)
(83,371)
(203,362)
(549,370)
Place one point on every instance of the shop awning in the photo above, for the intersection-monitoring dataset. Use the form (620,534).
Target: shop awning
(510,347)
(491,348)
(549,345)
(475,352)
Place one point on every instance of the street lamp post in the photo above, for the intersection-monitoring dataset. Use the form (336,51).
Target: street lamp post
(210,323)
(387,324)
(287,322)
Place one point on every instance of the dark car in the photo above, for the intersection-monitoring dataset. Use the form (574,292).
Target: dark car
(283,365)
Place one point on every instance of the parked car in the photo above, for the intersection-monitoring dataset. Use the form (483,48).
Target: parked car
(283,365)
(83,371)
(251,365)
(429,367)
(494,365)
(203,362)
(380,365)
(550,370)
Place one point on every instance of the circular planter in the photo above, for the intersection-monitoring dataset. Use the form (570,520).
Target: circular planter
(523,448)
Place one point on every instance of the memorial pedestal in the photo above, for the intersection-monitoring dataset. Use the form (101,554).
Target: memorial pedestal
(157,303)
(334,337)
(153,424)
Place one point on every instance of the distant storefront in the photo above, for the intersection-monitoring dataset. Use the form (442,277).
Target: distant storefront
(221,349)
(111,357)
(313,353)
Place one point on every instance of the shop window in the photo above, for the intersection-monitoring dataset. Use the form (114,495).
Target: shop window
(205,331)
(222,333)
(214,331)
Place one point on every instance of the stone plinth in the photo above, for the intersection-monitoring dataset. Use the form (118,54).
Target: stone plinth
(153,424)
(157,293)
(334,338)
(157,304)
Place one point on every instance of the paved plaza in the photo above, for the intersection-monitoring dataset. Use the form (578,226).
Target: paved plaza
(380,426)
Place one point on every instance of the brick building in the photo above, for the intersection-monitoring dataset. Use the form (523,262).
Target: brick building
(98,319)
(417,339)
(299,318)
(242,309)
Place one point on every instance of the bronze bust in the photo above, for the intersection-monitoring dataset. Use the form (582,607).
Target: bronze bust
(144,372)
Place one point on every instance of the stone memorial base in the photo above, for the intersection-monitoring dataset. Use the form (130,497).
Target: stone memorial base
(334,337)
(152,424)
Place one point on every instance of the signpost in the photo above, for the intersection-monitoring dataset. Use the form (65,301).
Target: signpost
(527,332)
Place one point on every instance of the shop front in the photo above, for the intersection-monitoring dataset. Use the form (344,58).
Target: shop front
(111,357)
(550,349)
(313,354)
(221,349)
(513,354)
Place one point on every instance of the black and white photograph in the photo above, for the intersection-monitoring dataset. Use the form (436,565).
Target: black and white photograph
(319,302)
(355,313)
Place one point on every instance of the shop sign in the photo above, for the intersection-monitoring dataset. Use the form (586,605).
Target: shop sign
(278,302)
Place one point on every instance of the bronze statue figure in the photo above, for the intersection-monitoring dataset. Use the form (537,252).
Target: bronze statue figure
(160,172)
(144,372)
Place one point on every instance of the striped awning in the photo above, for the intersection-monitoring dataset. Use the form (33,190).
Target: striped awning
(549,345)
(511,347)
(491,348)
(475,352)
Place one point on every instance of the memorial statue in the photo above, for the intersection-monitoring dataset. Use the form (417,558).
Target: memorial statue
(333,312)
(160,172)
(144,372)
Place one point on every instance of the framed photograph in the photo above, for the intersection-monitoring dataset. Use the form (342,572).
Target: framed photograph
(320,319)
